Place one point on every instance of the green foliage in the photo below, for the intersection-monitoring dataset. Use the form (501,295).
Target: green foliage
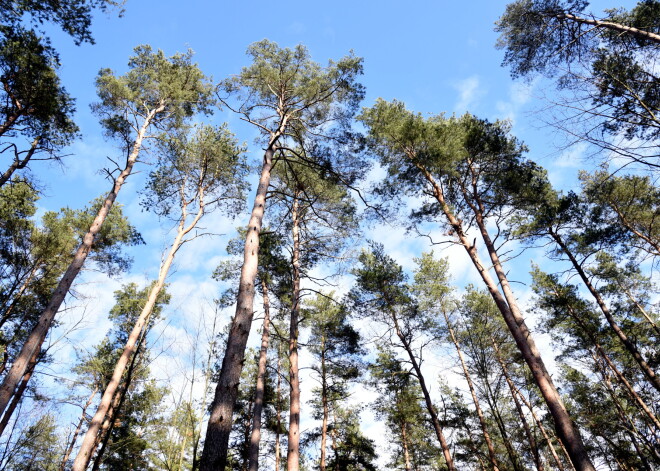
(203,164)
(609,66)
(173,88)
(37,448)
(73,16)
(354,450)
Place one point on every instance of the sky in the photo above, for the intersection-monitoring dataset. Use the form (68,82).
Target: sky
(436,56)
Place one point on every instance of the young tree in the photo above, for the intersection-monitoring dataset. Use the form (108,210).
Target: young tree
(382,293)
(157,93)
(284,93)
(468,169)
(197,174)
(335,346)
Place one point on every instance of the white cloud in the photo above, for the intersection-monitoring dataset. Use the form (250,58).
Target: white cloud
(469,92)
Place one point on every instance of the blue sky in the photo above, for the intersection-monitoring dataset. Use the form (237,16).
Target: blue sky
(436,56)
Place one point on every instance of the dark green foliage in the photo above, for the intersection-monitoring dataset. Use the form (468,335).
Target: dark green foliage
(37,448)
(73,16)
(608,66)
(174,86)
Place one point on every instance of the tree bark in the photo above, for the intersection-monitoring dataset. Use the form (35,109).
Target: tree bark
(406,453)
(507,306)
(473,393)
(627,343)
(253,453)
(74,438)
(214,454)
(427,397)
(528,432)
(617,27)
(130,349)
(38,335)
(324,400)
(293,452)
(19,393)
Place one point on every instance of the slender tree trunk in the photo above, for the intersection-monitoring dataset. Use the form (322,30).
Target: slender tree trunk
(404,442)
(278,412)
(130,349)
(293,454)
(514,320)
(253,453)
(622,379)
(640,308)
(74,438)
(627,343)
(473,393)
(333,436)
(528,432)
(539,424)
(36,338)
(19,393)
(324,400)
(497,415)
(117,404)
(427,397)
(214,455)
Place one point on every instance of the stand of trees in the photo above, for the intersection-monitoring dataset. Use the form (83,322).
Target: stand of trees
(456,377)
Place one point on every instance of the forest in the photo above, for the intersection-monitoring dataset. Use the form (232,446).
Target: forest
(231,297)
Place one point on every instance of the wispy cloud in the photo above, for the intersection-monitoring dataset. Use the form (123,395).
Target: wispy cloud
(469,92)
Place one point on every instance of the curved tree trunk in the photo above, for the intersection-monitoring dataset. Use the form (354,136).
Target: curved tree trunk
(253,453)
(38,335)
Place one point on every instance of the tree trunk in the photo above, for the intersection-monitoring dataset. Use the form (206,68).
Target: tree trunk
(616,27)
(253,452)
(36,338)
(293,454)
(473,393)
(528,432)
(214,454)
(427,397)
(324,400)
(622,379)
(539,424)
(74,438)
(565,427)
(278,412)
(627,343)
(19,393)
(404,442)
(130,349)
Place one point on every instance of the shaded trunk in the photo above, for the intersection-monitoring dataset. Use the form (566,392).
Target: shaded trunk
(214,454)
(293,454)
(507,306)
(132,345)
(539,424)
(253,453)
(278,422)
(627,343)
(404,442)
(74,438)
(38,335)
(523,420)
(427,397)
(324,400)
(475,400)
(19,393)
